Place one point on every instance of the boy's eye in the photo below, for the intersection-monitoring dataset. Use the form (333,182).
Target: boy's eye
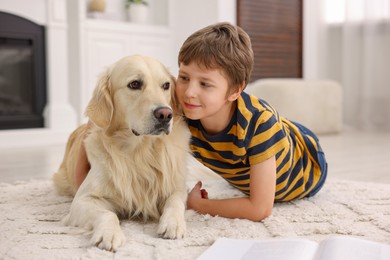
(184,78)
(204,84)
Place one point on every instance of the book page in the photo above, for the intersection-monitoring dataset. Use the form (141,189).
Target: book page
(345,248)
(292,249)
(282,249)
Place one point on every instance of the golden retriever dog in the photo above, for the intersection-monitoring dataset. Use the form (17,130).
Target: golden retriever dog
(137,146)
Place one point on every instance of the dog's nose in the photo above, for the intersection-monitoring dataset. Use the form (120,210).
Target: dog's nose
(163,114)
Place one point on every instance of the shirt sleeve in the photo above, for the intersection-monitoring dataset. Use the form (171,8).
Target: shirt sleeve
(268,139)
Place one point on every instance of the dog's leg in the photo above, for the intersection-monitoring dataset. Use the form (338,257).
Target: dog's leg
(98,215)
(107,232)
(172,222)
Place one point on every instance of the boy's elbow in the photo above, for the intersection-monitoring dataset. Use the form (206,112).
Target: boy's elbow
(261,214)
(268,213)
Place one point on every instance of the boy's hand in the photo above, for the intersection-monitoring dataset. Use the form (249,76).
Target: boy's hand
(195,195)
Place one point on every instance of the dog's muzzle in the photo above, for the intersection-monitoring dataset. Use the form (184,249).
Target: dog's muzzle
(162,122)
(163,116)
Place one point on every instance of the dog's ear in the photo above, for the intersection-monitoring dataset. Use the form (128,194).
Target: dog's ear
(100,108)
(174,102)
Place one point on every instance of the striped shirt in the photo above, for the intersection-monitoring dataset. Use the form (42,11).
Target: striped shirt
(255,133)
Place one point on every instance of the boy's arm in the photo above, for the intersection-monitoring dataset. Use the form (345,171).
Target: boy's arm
(82,165)
(255,207)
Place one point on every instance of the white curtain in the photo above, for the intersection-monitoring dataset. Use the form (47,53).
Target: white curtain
(354,49)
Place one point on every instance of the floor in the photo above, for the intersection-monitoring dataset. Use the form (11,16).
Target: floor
(352,155)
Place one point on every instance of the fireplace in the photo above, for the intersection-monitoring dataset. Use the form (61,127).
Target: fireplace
(22,73)
(49,103)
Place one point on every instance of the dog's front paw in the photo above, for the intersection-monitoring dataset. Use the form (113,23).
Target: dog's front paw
(109,238)
(172,225)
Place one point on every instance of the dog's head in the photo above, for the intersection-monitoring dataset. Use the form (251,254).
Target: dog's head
(136,92)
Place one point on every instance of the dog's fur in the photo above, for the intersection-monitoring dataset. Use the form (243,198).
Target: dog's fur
(137,152)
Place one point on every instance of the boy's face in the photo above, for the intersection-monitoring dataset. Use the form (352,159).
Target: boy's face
(202,93)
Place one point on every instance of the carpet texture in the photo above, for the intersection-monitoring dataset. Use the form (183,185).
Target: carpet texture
(30,229)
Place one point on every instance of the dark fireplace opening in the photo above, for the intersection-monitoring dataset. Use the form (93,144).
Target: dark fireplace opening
(22,73)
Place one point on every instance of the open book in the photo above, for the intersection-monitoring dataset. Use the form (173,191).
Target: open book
(335,248)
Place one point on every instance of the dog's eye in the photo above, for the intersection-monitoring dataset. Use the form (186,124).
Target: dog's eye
(166,86)
(135,84)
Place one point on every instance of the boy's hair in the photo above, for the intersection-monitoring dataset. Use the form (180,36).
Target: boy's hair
(221,46)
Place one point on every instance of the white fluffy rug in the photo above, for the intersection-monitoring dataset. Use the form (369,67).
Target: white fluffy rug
(30,227)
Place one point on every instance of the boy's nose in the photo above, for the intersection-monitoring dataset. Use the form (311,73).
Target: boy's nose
(190,91)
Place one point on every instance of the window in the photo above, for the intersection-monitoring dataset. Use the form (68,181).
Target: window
(339,11)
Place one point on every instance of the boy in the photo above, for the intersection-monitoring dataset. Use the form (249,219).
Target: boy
(239,136)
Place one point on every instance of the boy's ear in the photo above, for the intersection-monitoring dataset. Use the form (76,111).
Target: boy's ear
(233,96)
